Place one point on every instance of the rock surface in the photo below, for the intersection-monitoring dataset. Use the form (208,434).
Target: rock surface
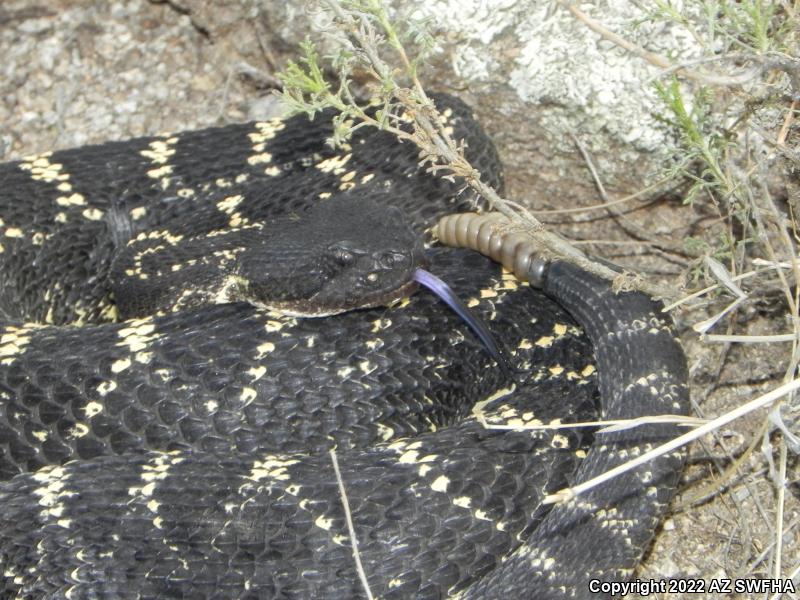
(538,77)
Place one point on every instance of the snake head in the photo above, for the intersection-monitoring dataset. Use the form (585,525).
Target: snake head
(359,276)
(372,261)
(344,254)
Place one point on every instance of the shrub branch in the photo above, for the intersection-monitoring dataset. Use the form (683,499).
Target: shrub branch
(364,35)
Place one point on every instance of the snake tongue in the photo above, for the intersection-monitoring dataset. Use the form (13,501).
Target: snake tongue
(441,289)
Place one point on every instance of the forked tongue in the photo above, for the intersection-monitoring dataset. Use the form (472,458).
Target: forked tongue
(441,289)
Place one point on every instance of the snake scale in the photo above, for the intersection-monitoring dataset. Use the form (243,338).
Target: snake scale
(184,454)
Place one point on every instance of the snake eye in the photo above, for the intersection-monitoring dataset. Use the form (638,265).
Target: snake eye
(343,256)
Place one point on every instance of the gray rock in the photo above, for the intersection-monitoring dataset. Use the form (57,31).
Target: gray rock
(535,74)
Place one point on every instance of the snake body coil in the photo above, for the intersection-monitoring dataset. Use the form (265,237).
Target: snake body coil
(641,370)
(186,454)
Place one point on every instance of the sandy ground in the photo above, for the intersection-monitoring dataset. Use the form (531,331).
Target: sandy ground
(78,72)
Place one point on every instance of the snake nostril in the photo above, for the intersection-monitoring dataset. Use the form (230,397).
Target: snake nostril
(392,260)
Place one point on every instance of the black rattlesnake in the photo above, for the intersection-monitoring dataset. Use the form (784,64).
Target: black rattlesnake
(200,436)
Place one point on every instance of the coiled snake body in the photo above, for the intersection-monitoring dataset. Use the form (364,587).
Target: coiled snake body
(184,454)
